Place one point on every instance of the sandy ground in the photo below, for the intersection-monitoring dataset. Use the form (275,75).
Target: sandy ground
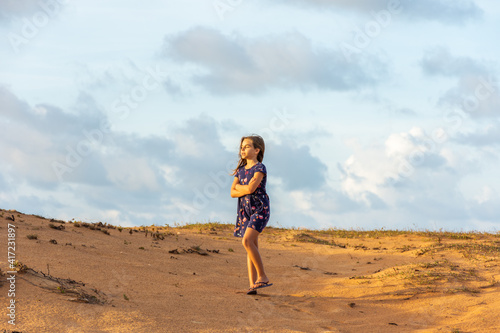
(195,280)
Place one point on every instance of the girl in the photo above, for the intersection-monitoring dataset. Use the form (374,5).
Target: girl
(249,186)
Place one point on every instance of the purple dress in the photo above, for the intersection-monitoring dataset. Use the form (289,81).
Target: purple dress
(253,209)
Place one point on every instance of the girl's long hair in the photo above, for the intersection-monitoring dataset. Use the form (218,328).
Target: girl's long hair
(258,143)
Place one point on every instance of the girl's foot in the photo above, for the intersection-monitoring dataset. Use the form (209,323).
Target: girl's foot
(265,280)
(260,284)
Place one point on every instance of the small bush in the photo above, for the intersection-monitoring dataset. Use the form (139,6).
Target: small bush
(57,227)
(32,236)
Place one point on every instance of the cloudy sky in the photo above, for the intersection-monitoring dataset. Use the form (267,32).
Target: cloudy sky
(376,113)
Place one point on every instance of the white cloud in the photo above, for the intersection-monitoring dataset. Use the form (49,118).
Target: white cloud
(235,64)
(415,146)
(424,179)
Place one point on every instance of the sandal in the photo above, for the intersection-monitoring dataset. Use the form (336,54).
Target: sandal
(251,291)
(258,285)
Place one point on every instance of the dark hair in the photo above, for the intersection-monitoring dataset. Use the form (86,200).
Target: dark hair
(258,143)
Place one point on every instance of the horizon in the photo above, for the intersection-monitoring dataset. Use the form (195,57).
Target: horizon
(190,225)
(381,114)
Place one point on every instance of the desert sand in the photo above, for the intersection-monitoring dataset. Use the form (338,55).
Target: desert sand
(74,276)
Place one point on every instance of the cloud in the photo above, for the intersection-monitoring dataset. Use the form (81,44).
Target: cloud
(50,119)
(324,208)
(106,170)
(172,88)
(420,150)
(183,175)
(477,96)
(476,92)
(487,136)
(444,11)
(13,8)
(297,168)
(439,61)
(235,64)
(485,206)
(41,134)
(411,175)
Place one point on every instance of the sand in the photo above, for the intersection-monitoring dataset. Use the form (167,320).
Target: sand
(194,279)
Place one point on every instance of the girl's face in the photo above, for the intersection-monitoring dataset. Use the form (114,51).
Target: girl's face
(248,151)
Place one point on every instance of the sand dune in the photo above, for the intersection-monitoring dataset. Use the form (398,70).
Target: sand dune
(79,277)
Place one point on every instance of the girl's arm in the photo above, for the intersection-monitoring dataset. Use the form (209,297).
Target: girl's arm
(234,192)
(252,185)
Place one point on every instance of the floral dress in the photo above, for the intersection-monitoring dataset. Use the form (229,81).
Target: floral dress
(253,209)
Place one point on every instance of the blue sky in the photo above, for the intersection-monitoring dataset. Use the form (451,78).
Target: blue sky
(376,114)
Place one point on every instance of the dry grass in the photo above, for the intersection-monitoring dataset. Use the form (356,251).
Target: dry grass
(210,226)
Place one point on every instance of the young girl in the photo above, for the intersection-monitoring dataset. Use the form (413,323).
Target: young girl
(249,186)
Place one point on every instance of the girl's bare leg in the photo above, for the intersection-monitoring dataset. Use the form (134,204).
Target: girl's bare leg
(253,255)
(252,272)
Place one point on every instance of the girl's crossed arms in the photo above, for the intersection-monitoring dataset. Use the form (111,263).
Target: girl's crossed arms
(238,190)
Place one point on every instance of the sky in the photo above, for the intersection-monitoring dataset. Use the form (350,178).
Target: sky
(375,113)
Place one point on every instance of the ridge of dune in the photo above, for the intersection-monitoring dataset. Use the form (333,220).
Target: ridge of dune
(94,277)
